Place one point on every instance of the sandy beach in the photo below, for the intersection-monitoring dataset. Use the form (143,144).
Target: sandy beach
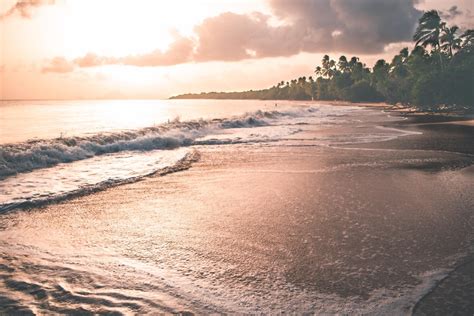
(270,157)
(250,228)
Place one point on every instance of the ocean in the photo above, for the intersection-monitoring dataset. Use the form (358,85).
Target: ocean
(52,149)
(223,206)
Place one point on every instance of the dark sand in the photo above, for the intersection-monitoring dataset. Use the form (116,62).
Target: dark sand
(368,228)
(453,295)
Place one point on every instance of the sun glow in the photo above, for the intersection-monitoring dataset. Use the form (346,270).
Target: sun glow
(74,28)
(116,28)
(71,29)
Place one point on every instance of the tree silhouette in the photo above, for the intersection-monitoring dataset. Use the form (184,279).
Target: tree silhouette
(343,64)
(429,29)
(449,40)
(436,75)
(467,41)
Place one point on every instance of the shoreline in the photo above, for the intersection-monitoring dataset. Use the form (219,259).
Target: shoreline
(419,122)
(257,225)
(434,302)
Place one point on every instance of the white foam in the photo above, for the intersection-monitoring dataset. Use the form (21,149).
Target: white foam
(65,178)
(43,169)
(27,156)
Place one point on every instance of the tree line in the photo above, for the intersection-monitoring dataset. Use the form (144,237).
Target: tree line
(438,74)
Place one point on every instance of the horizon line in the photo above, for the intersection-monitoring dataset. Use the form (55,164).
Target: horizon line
(85,99)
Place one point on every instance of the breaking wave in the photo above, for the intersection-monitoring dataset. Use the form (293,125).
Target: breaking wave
(37,154)
(34,200)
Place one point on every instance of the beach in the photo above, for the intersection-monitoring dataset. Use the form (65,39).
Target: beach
(359,212)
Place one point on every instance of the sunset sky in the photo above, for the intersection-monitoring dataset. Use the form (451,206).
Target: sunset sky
(69,49)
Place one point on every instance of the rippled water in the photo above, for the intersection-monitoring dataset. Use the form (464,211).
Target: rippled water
(42,169)
(24,120)
(88,174)
(283,209)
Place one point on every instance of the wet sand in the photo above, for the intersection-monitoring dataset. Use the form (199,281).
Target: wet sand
(294,226)
(452,295)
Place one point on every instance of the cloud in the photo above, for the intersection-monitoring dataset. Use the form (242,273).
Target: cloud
(451,13)
(362,26)
(230,37)
(59,65)
(313,26)
(179,52)
(93,60)
(24,7)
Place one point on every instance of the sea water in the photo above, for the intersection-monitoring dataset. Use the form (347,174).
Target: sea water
(52,149)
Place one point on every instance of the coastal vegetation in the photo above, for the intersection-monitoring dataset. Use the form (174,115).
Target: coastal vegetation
(438,74)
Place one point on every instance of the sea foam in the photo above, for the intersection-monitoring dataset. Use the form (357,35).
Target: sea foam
(37,154)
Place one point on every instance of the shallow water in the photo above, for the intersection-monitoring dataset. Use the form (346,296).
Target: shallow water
(248,229)
(27,120)
(288,211)
(35,171)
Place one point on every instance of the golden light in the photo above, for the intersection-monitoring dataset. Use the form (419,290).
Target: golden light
(125,27)
(115,28)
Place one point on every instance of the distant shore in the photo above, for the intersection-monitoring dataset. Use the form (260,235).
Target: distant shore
(451,118)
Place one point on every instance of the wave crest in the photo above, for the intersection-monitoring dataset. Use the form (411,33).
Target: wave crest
(37,154)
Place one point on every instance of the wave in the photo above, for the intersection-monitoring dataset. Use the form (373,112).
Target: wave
(182,164)
(37,154)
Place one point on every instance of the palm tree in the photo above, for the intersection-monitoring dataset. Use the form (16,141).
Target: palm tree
(398,67)
(354,60)
(326,66)
(343,64)
(429,30)
(329,67)
(468,40)
(318,71)
(449,40)
(381,67)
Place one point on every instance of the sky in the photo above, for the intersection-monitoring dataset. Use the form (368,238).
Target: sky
(89,49)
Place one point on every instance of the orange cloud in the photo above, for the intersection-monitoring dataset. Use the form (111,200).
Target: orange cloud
(23,7)
(93,60)
(59,65)
(179,52)
(313,26)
